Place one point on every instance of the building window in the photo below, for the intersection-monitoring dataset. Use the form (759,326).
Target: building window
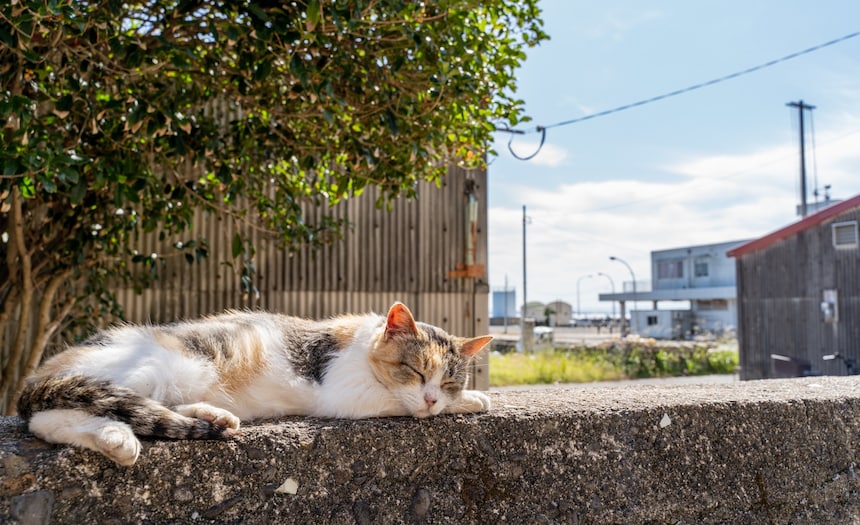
(845,234)
(670,269)
(712,304)
(652,320)
(700,268)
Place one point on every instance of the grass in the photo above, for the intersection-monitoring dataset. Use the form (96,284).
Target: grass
(611,362)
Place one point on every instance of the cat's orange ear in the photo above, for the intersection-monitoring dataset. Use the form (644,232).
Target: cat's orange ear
(475,345)
(400,321)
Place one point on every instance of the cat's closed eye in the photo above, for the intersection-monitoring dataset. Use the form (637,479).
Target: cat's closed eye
(451,386)
(413,370)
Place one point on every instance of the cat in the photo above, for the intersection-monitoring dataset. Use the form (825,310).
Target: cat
(198,379)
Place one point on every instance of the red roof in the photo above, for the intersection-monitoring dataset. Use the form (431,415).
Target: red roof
(804,224)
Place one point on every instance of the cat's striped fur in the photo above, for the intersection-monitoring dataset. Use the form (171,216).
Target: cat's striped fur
(198,379)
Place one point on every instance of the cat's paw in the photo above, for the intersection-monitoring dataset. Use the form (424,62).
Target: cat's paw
(118,443)
(212,414)
(472,401)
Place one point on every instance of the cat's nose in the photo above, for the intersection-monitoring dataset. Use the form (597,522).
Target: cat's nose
(430,400)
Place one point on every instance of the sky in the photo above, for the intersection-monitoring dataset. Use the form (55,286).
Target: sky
(716,164)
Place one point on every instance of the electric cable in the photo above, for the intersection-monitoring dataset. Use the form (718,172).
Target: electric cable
(618,109)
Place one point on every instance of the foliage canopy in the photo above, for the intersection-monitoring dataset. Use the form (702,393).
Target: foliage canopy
(105,104)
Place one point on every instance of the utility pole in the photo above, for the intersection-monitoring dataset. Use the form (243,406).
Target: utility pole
(801,106)
(507,303)
(525,300)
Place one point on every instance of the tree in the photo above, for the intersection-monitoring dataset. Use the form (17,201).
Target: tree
(104,101)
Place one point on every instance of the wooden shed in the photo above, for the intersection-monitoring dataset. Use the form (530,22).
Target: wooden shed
(799,296)
(429,253)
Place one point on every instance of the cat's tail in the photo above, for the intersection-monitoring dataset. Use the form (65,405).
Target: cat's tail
(146,417)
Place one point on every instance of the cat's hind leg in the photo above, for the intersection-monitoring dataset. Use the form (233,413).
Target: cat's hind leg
(112,438)
(212,414)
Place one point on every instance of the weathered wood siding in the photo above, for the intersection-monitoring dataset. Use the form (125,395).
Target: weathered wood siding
(780,289)
(402,255)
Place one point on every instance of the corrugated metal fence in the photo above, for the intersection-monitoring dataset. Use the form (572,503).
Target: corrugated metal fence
(402,255)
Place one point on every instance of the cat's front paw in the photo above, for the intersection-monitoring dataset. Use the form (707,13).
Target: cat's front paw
(212,414)
(472,401)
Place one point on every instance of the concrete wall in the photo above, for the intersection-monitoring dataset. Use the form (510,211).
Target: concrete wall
(779,451)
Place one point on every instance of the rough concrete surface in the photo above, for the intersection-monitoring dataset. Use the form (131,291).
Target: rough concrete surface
(779,451)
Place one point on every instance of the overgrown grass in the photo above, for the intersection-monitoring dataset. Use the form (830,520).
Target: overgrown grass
(609,362)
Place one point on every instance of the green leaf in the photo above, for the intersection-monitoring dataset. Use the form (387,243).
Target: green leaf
(27,187)
(258,12)
(48,185)
(10,166)
(313,14)
(77,193)
(237,245)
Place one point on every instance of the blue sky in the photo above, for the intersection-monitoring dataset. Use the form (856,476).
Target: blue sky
(712,165)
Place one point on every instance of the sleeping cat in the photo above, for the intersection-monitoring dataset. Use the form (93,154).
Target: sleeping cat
(198,379)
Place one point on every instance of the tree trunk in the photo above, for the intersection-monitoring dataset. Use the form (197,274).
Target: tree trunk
(20,267)
(46,327)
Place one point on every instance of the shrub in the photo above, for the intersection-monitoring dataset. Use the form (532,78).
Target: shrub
(612,361)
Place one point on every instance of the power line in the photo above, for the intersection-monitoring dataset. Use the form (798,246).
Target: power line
(542,129)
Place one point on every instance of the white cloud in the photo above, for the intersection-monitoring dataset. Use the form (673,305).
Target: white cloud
(617,23)
(574,228)
(550,156)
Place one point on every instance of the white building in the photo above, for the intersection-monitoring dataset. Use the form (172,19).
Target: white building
(560,313)
(536,310)
(703,276)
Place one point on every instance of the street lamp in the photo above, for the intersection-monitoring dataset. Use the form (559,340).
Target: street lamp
(612,284)
(578,309)
(633,276)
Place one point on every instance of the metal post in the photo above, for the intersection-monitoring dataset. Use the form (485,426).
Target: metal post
(633,276)
(525,300)
(578,309)
(612,284)
(800,107)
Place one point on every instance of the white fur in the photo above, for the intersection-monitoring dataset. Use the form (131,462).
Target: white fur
(112,438)
(136,361)
(191,385)
(350,389)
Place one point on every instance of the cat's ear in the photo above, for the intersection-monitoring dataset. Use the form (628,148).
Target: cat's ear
(400,321)
(475,345)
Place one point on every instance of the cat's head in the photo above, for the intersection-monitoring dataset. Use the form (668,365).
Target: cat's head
(424,367)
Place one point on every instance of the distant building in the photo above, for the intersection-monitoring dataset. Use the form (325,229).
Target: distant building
(559,313)
(504,303)
(504,311)
(799,296)
(702,275)
(536,310)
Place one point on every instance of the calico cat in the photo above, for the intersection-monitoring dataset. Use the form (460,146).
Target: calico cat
(198,379)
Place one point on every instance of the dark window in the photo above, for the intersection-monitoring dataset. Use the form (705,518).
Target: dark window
(700,268)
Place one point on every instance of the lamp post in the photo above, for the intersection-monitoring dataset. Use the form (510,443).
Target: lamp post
(578,309)
(612,284)
(633,276)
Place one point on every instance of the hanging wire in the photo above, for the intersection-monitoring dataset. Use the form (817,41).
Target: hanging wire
(542,129)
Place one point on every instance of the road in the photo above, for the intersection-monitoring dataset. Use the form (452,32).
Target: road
(684,380)
(562,334)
